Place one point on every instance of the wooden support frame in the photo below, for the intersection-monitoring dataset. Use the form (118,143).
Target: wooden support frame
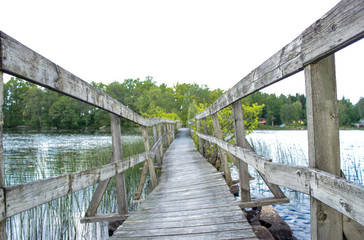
(200,140)
(149,164)
(219,135)
(2,192)
(160,134)
(155,139)
(240,140)
(323,141)
(205,131)
(117,155)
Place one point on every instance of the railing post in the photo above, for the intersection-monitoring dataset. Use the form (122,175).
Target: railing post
(205,132)
(117,156)
(240,139)
(2,196)
(166,135)
(323,141)
(155,139)
(200,141)
(219,135)
(160,134)
(149,157)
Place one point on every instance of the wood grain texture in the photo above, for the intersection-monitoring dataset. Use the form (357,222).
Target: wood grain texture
(341,26)
(192,201)
(20,198)
(21,61)
(323,141)
(240,139)
(344,196)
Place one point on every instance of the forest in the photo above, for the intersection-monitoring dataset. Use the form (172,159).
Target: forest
(26,104)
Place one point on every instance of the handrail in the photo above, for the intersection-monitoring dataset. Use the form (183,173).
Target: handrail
(19,60)
(332,196)
(22,197)
(343,195)
(325,37)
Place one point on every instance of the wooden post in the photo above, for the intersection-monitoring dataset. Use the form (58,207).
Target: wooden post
(96,198)
(323,141)
(160,134)
(219,135)
(166,136)
(117,156)
(2,196)
(200,141)
(240,140)
(155,139)
(149,159)
(205,132)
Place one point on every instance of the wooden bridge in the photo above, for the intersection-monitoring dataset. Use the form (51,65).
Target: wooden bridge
(180,205)
(192,201)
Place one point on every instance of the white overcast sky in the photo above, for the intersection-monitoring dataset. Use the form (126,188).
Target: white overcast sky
(210,42)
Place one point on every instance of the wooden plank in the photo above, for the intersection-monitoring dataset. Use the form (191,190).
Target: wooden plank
(2,197)
(183,231)
(263,202)
(300,179)
(341,26)
(240,139)
(323,141)
(20,61)
(186,209)
(219,135)
(22,197)
(104,218)
(234,234)
(189,223)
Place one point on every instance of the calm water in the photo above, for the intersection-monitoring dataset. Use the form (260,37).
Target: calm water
(290,147)
(31,155)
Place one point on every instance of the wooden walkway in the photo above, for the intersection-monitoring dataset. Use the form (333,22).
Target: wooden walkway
(192,201)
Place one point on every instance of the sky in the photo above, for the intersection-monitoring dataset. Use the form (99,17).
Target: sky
(208,42)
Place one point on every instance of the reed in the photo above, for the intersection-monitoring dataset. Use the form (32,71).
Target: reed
(60,219)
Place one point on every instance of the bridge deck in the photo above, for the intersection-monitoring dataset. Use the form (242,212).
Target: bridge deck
(192,201)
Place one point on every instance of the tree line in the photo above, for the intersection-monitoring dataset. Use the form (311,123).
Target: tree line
(26,104)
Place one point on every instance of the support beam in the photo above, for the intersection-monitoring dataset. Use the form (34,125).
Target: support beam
(200,140)
(96,198)
(323,141)
(205,131)
(155,139)
(219,135)
(2,197)
(150,159)
(160,134)
(118,155)
(240,139)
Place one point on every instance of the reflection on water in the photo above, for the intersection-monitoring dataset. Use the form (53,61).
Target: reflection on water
(290,147)
(32,155)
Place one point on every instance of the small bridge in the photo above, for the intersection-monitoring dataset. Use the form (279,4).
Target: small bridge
(190,190)
(192,201)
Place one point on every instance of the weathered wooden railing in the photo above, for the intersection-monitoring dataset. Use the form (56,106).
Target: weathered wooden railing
(18,60)
(332,196)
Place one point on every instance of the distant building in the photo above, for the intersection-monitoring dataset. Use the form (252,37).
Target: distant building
(262,121)
(360,124)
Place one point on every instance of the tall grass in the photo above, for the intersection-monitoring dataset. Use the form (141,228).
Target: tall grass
(60,219)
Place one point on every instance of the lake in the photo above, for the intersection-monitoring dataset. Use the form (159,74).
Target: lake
(291,147)
(31,155)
